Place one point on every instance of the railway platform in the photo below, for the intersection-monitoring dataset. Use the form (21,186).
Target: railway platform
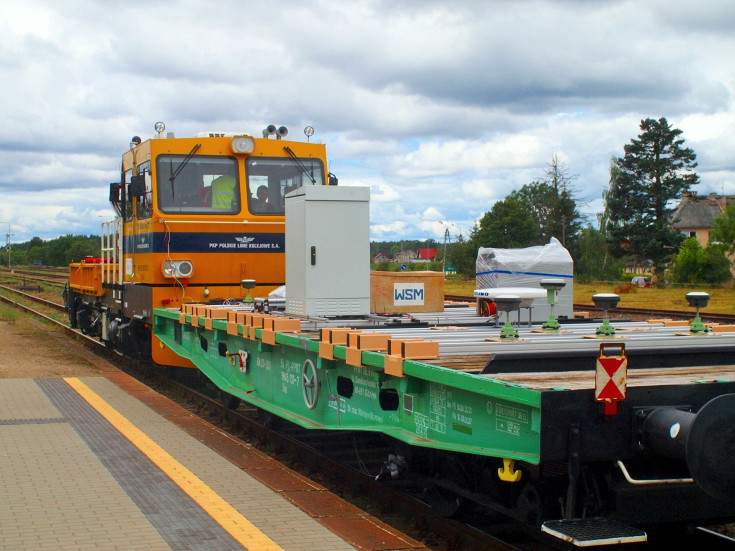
(104,462)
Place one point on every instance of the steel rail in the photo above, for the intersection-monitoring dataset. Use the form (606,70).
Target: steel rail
(39,300)
(244,422)
(97,345)
(461,535)
(40,278)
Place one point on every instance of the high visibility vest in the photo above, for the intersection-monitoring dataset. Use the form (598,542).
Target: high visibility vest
(223,192)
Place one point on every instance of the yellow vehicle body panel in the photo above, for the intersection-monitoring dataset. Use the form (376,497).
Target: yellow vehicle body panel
(192,226)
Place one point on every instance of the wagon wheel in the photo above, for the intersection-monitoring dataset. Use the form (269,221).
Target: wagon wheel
(228,400)
(310,384)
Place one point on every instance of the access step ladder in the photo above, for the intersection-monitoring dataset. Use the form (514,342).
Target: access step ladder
(589,532)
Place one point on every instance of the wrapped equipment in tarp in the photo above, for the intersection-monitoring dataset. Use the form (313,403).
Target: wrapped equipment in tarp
(526,268)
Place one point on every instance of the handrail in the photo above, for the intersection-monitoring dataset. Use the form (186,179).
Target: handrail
(637,482)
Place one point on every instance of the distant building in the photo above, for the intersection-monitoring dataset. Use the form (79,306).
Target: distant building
(404,256)
(426,254)
(695,215)
(419,255)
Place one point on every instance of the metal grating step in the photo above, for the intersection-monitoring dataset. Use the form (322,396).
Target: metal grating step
(587,532)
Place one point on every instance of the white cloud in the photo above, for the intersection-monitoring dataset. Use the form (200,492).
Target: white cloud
(386,231)
(439,108)
(432,214)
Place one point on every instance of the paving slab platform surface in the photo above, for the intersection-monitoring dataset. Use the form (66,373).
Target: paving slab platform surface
(106,463)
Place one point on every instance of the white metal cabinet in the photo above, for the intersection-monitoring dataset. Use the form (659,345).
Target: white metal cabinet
(328,251)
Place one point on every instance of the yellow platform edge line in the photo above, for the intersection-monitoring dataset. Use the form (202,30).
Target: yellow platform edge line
(222,512)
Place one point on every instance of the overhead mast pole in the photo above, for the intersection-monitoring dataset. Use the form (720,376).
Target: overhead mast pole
(7,245)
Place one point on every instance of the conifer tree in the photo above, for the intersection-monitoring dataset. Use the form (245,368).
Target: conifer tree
(654,171)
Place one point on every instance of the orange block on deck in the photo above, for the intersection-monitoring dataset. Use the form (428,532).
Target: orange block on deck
(255,320)
(420,350)
(337,335)
(216,313)
(413,349)
(326,350)
(268,336)
(282,325)
(353,356)
(393,366)
(368,341)
(232,328)
(236,315)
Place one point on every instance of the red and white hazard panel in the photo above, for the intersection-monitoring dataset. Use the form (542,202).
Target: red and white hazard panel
(611,376)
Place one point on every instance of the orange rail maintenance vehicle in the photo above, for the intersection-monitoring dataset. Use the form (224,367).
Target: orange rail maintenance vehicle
(198,220)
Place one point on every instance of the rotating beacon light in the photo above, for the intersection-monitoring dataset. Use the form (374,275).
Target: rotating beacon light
(552,287)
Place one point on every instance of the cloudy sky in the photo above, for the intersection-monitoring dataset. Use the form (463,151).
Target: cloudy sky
(442,108)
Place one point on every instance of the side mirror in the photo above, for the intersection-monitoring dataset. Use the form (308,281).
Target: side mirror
(137,186)
(333,181)
(115,192)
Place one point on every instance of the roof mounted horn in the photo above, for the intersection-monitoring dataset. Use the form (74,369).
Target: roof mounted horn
(271,130)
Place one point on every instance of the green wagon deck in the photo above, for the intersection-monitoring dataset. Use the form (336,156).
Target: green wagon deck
(456,401)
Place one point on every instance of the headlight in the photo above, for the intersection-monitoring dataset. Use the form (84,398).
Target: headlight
(177,268)
(243,144)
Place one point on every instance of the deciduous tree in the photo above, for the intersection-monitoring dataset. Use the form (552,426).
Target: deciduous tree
(695,264)
(591,262)
(724,230)
(553,205)
(509,224)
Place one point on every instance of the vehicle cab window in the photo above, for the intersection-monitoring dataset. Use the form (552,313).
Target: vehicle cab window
(269,179)
(128,207)
(197,185)
(143,203)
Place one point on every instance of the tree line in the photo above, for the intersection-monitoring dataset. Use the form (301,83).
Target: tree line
(54,252)
(635,227)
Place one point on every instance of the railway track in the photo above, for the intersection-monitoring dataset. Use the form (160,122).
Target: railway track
(25,278)
(301,445)
(352,461)
(52,270)
(633,313)
(33,298)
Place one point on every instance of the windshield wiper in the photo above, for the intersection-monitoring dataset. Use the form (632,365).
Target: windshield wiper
(299,164)
(179,168)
